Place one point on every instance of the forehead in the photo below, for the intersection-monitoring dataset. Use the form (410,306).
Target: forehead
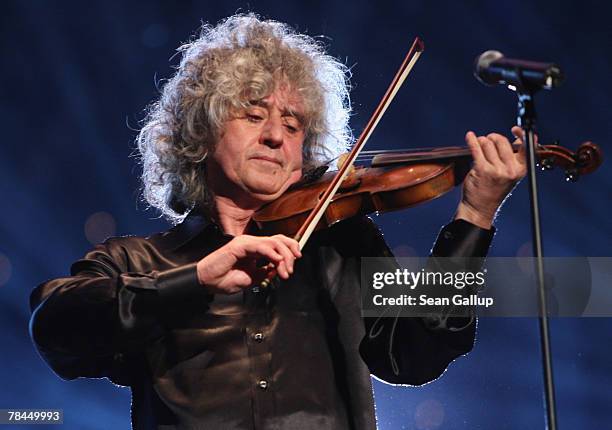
(284,99)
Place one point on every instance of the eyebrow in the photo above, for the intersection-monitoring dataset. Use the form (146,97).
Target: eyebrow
(286,112)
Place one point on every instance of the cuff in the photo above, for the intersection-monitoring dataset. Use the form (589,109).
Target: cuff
(461,238)
(180,286)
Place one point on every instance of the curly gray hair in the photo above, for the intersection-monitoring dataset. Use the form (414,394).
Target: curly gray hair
(228,66)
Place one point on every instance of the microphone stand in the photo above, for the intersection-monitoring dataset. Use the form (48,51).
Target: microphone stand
(527,119)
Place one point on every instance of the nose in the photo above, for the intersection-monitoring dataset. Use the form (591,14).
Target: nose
(272,135)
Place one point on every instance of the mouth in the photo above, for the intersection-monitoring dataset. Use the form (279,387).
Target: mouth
(268,159)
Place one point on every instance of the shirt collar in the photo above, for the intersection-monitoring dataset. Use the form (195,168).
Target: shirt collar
(194,224)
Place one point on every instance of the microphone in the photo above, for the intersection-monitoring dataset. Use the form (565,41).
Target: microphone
(492,68)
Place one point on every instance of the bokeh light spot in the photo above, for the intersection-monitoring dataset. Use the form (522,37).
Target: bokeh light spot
(524,262)
(99,226)
(429,415)
(404,251)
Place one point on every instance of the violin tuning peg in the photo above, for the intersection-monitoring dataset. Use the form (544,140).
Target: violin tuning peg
(547,164)
(571,175)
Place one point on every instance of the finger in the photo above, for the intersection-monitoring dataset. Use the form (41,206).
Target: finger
(272,250)
(242,279)
(282,264)
(292,244)
(518,132)
(260,248)
(289,248)
(250,246)
(489,149)
(280,270)
(475,149)
(288,256)
(521,156)
(284,269)
(504,148)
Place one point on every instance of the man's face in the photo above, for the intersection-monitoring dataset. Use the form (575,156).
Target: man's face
(259,153)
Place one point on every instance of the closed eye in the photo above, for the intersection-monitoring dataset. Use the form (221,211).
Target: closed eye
(253,117)
(291,128)
(292,125)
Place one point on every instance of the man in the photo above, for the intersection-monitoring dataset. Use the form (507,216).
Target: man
(252,108)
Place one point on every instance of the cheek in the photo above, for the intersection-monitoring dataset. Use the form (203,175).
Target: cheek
(296,156)
(223,160)
(227,154)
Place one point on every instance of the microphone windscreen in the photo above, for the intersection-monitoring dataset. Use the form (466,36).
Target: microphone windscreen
(482,63)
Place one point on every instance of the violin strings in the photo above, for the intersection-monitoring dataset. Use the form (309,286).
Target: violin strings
(387,151)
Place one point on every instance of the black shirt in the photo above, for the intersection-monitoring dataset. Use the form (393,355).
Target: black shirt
(298,355)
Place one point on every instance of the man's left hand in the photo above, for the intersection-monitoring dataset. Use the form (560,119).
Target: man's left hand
(496,170)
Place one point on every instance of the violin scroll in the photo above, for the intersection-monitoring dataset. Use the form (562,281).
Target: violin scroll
(587,158)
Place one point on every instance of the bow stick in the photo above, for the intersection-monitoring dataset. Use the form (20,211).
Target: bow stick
(309,225)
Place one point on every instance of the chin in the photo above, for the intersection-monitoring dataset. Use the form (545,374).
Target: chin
(264,182)
(264,192)
(266,185)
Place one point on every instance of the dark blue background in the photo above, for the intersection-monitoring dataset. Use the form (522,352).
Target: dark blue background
(75,78)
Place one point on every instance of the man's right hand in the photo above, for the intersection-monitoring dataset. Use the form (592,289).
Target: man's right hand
(237,265)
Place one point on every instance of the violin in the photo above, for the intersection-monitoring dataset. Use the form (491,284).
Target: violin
(397,180)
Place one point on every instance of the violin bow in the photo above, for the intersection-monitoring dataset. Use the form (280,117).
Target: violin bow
(316,214)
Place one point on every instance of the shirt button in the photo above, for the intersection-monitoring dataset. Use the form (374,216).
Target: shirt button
(448,235)
(263,384)
(258,337)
